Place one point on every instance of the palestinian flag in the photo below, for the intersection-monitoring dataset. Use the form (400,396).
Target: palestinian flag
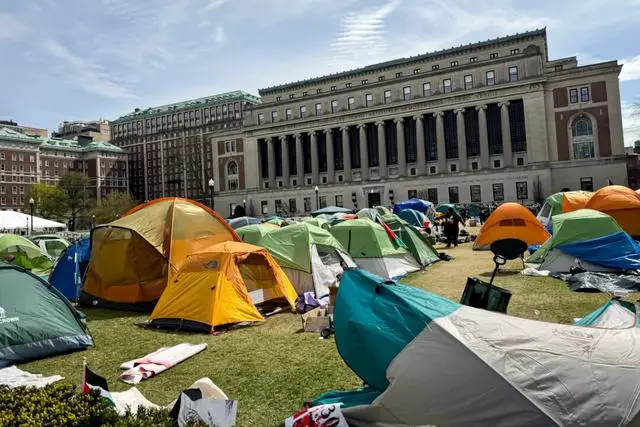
(93,381)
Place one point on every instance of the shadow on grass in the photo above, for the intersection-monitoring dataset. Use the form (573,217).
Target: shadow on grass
(500,273)
(94,314)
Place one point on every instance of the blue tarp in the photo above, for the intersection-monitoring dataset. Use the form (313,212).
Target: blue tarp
(618,251)
(69,271)
(419,205)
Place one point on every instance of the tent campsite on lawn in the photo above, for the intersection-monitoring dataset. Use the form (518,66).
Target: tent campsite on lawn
(221,285)
(372,249)
(621,203)
(253,233)
(309,255)
(416,242)
(413,217)
(132,257)
(24,253)
(70,269)
(590,239)
(510,221)
(615,314)
(560,203)
(36,321)
(490,369)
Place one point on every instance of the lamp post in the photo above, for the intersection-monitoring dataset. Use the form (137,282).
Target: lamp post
(244,206)
(354,199)
(93,221)
(391,197)
(317,198)
(211,186)
(31,203)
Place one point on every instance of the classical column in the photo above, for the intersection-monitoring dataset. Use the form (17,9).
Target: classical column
(315,166)
(442,150)
(271,158)
(331,160)
(507,153)
(402,153)
(286,182)
(346,153)
(364,160)
(462,140)
(422,157)
(382,150)
(484,137)
(299,159)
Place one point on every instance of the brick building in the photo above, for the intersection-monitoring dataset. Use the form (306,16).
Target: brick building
(98,130)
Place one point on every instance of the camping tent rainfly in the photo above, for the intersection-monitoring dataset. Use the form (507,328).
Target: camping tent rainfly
(24,253)
(253,233)
(482,368)
(614,314)
(560,203)
(413,217)
(417,243)
(132,257)
(511,221)
(70,269)
(36,321)
(621,203)
(221,285)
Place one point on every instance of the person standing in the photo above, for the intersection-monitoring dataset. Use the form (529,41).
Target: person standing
(451,229)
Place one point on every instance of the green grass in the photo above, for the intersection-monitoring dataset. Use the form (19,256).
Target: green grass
(272,368)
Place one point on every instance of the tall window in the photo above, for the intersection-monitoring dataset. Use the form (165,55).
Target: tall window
(303,111)
(232,176)
(432,195)
(368,100)
(339,200)
(491,78)
(446,85)
(573,96)
(260,118)
(318,109)
(387,96)
(288,114)
(426,89)
(586,183)
(513,74)
(584,94)
(351,102)
(454,196)
(406,93)
(468,81)
(274,116)
(498,192)
(475,193)
(522,192)
(334,106)
(582,138)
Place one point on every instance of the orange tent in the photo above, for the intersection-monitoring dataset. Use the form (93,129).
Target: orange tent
(574,200)
(132,257)
(621,203)
(511,221)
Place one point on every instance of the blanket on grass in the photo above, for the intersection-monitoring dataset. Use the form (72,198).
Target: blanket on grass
(159,361)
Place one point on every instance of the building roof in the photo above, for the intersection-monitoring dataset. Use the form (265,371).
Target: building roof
(223,98)
(404,61)
(10,134)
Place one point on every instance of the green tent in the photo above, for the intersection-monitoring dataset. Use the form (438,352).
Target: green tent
(330,210)
(318,221)
(444,208)
(36,320)
(372,248)
(368,213)
(580,225)
(382,211)
(25,254)
(254,233)
(417,243)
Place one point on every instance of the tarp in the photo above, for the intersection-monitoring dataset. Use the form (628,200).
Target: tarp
(253,233)
(243,221)
(24,253)
(12,220)
(36,321)
(413,217)
(511,221)
(221,285)
(69,271)
(617,251)
(621,203)
(436,362)
(330,210)
(617,284)
(419,205)
(613,315)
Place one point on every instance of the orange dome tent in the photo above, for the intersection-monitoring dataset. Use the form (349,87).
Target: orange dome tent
(132,257)
(621,203)
(574,200)
(511,221)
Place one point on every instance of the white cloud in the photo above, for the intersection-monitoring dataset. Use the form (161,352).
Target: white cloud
(219,36)
(630,69)
(215,4)
(11,28)
(631,122)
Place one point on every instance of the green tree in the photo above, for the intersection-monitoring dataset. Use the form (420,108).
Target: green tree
(75,186)
(50,202)
(112,207)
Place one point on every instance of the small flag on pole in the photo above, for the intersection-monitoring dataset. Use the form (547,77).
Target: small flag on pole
(93,381)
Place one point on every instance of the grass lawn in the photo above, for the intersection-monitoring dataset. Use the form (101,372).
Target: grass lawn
(271,369)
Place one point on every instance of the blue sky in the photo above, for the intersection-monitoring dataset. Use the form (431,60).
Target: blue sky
(79,59)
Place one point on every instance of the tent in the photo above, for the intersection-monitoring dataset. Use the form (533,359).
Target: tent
(413,217)
(52,245)
(622,203)
(14,221)
(318,221)
(382,210)
(511,221)
(132,257)
(372,248)
(330,210)
(338,218)
(253,233)
(430,361)
(310,256)
(236,223)
(36,321)
(614,314)
(221,285)
(71,268)
(590,239)
(563,202)
(24,253)
(424,206)
(416,242)
(368,213)
(444,208)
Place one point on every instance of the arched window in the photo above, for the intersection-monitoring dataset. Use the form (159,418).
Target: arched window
(582,138)
(232,176)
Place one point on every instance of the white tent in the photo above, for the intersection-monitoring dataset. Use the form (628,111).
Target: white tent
(12,220)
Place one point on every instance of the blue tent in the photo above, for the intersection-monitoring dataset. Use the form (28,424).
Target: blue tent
(419,205)
(69,271)
(618,251)
(413,217)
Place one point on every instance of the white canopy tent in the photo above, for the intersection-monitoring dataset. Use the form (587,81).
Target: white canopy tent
(12,220)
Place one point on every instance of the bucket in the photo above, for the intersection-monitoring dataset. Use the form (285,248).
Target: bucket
(475,295)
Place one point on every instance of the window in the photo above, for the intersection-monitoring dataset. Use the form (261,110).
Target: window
(473,59)
(14,190)
(584,94)
(491,78)
(334,88)
(260,118)
(586,184)
(294,182)
(522,192)
(21,191)
(292,95)
(412,194)
(264,207)
(446,85)
(365,81)
(278,207)
(520,161)
(387,96)
(3,201)
(498,192)
(14,200)
(307,204)
(515,51)
(468,81)
(334,106)
(416,70)
(347,85)
(474,166)
(454,196)
(305,93)
(339,200)
(318,109)
(573,96)
(583,139)
(513,74)
(1,156)
(493,55)
(13,156)
(454,63)
(21,157)
(453,168)
(350,102)
(496,163)
(435,67)
(46,162)
(380,78)
(432,195)
(288,114)
(426,89)
(224,110)
(303,111)
(274,116)
(3,189)
(406,93)
(432,169)
(558,67)
(318,90)
(475,191)
(398,74)
(230,146)
(368,99)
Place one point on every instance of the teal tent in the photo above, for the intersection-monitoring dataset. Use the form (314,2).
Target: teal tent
(444,208)
(36,320)
(413,217)
(330,210)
